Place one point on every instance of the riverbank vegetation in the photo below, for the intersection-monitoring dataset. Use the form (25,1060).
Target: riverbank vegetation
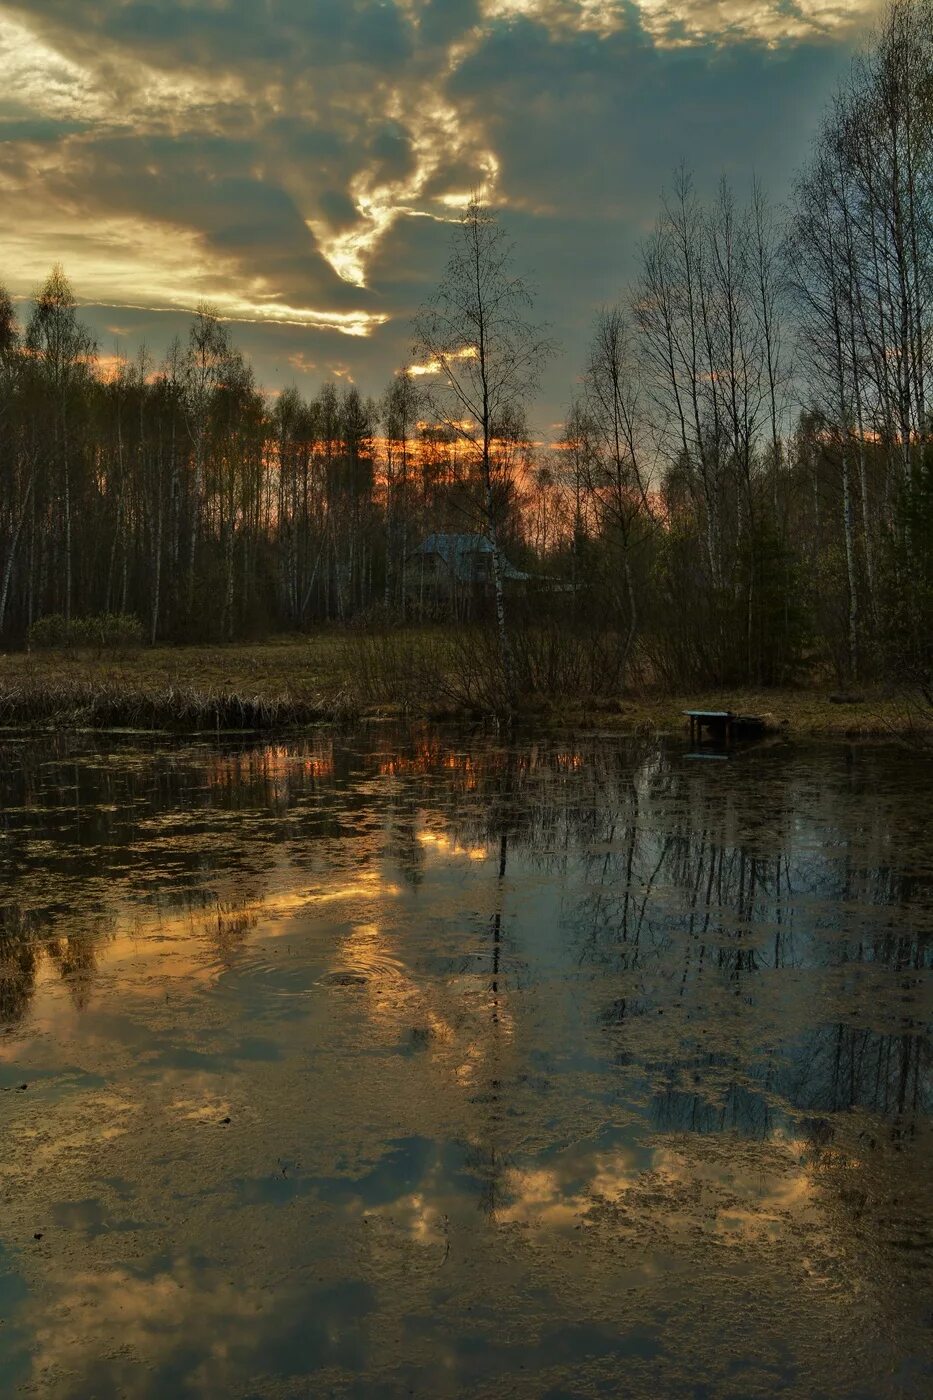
(412,672)
(742,496)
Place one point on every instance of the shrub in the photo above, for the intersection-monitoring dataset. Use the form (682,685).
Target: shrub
(101,631)
(394,667)
(108,631)
(51,631)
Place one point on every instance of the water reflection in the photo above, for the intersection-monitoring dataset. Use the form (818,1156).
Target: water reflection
(400,1063)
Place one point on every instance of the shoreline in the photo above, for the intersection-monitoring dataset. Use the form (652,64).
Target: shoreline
(288,684)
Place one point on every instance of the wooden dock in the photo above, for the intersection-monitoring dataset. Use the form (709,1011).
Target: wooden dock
(723,726)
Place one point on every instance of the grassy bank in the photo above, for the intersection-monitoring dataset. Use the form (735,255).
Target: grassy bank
(269,685)
(299,681)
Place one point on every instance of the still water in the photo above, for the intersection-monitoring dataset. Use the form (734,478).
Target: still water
(415,1063)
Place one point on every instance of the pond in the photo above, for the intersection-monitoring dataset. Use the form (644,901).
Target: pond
(414,1062)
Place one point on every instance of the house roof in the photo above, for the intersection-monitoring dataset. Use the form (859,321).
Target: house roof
(459,554)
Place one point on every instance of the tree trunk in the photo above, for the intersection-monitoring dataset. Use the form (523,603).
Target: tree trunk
(11,556)
(850,568)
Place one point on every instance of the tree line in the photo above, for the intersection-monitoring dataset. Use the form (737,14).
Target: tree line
(180,493)
(743,492)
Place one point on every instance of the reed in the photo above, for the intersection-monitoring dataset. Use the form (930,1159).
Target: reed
(88,704)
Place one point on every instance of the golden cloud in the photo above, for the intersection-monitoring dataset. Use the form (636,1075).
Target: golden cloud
(676,23)
(114,259)
(435,367)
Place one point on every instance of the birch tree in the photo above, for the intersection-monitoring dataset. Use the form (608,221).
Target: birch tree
(401,406)
(617,475)
(488,354)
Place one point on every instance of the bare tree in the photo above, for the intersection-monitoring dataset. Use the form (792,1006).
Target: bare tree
(488,357)
(862,268)
(401,406)
(203,366)
(617,477)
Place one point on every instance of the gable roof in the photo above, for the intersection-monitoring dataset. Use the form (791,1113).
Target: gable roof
(459,553)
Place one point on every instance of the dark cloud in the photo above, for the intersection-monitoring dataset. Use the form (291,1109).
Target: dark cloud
(287,34)
(443,21)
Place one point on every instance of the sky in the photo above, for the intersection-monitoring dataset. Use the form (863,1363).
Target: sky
(298,163)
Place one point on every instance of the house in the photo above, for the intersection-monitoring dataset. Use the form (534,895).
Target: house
(454,573)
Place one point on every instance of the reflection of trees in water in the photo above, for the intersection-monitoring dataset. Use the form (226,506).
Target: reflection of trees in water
(29,938)
(737,1108)
(228,925)
(840,1067)
(97,826)
(19,957)
(75,958)
(831,1069)
(486,1158)
(723,897)
(689,895)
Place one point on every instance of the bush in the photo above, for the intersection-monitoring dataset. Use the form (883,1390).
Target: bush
(51,631)
(108,631)
(555,658)
(394,667)
(101,631)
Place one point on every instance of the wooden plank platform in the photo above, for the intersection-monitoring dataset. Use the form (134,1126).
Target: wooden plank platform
(722,726)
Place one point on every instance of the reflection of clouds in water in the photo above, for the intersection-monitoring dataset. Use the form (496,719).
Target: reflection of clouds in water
(367,953)
(54,1142)
(555,1198)
(150,1316)
(747,1194)
(743,1195)
(208,1109)
(449,1022)
(152,946)
(368,885)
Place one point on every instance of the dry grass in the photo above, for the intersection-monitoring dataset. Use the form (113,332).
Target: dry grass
(333,676)
(264,686)
(286,665)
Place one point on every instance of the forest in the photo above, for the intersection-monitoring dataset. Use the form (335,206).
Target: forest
(743,492)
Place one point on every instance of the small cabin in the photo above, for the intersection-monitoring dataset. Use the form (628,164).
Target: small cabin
(454,573)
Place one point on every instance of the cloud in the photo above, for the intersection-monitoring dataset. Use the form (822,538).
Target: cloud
(298,162)
(432,367)
(697,21)
(685,22)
